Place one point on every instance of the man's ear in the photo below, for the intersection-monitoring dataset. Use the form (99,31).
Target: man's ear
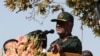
(71,24)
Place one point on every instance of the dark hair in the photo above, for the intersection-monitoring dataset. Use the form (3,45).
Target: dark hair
(87,52)
(10,40)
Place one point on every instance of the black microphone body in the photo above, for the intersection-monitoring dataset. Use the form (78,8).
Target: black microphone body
(43,37)
(47,32)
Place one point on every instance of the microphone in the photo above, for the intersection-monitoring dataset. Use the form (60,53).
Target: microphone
(46,32)
(43,37)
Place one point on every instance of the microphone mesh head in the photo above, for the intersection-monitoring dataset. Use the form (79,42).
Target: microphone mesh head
(51,31)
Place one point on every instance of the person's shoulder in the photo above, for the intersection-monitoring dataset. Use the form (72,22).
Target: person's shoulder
(74,38)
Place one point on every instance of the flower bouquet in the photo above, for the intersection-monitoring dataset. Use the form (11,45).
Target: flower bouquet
(28,45)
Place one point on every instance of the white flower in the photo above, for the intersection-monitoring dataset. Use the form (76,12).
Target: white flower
(44,51)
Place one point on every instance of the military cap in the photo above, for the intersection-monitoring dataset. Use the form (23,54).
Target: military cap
(64,17)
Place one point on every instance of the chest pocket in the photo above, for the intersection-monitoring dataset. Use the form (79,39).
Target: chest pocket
(69,45)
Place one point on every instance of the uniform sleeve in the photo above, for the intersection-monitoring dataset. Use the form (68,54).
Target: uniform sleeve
(79,46)
(50,46)
(76,44)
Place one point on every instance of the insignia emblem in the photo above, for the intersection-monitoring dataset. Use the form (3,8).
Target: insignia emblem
(61,16)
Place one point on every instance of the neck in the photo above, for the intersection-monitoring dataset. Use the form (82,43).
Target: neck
(64,36)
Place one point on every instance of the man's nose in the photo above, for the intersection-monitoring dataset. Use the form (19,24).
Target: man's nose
(58,25)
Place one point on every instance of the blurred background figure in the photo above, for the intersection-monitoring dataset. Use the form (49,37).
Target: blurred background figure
(87,53)
(10,47)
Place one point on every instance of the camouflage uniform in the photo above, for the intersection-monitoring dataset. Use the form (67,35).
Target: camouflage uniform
(72,44)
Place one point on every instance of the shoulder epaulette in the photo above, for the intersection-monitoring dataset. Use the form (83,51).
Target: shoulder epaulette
(73,36)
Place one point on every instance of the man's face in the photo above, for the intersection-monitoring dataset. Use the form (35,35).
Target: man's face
(10,46)
(63,27)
